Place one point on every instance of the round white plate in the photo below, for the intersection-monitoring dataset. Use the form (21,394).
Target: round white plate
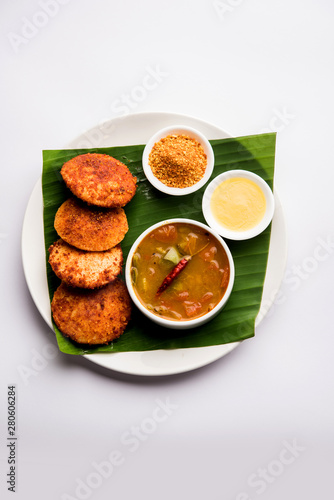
(137,129)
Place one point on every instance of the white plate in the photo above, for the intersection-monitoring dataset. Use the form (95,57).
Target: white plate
(137,129)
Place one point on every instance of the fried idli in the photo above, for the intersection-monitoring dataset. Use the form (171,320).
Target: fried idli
(85,269)
(99,179)
(92,316)
(90,228)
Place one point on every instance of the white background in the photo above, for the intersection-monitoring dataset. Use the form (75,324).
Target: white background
(245,66)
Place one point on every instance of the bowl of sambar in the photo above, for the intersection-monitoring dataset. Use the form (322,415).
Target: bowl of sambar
(179,273)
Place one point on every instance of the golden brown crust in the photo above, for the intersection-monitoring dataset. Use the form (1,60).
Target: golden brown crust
(99,179)
(92,316)
(90,228)
(83,269)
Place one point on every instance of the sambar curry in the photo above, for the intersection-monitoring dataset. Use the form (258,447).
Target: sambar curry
(180,271)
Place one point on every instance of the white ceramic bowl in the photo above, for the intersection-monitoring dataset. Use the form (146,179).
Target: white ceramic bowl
(176,324)
(190,132)
(238,235)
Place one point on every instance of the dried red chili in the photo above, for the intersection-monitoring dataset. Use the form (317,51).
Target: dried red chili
(172,275)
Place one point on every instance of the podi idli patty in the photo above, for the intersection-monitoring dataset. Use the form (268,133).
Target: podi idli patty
(99,179)
(80,268)
(92,316)
(90,228)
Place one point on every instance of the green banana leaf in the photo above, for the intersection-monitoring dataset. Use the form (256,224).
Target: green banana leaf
(236,322)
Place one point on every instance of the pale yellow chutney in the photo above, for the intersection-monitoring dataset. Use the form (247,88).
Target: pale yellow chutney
(238,204)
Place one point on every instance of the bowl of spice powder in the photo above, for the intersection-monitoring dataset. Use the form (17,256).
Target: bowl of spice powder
(178,160)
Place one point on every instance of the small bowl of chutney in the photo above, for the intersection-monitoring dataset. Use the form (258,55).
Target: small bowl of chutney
(238,204)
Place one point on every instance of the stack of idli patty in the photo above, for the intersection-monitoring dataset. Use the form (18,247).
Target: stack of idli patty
(92,305)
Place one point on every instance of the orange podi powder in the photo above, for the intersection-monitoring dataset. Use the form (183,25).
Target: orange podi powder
(178,161)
